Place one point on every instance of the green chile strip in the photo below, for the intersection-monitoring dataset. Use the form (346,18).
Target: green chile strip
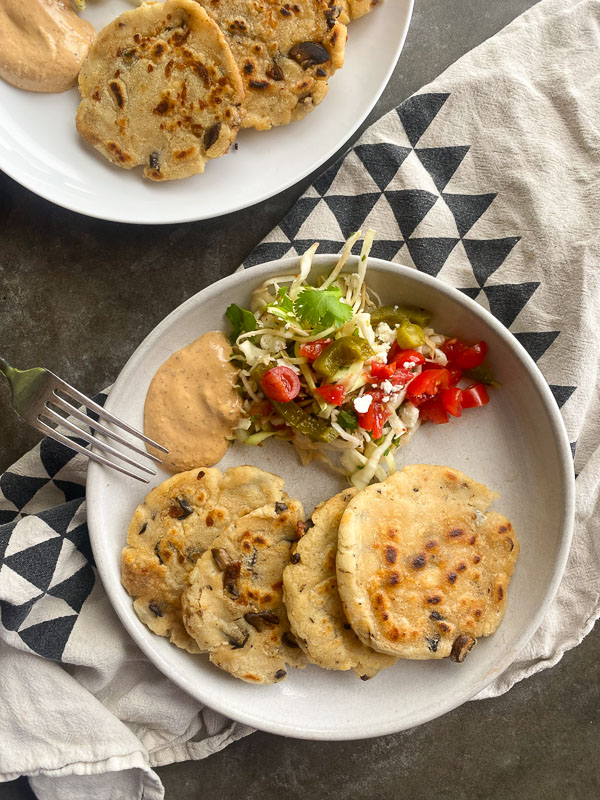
(341,353)
(395,315)
(311,426)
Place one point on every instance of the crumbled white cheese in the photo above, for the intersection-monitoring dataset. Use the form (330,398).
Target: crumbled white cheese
(362,404)
(381,350)
(272,344)
(385,333)
(387,386)
(409,415)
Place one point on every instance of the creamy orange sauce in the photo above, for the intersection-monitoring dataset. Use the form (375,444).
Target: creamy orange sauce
(192,404)
(43,44)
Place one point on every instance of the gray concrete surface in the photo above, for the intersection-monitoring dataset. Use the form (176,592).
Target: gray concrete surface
(78,295)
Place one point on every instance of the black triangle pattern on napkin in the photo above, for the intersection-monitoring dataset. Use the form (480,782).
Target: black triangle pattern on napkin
(50,579)
(46,562)
(467,208)
(441,162)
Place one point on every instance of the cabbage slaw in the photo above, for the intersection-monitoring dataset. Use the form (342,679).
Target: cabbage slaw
(281,323)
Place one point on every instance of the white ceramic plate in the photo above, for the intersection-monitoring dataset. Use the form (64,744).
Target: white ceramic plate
(516,445)
(40,148)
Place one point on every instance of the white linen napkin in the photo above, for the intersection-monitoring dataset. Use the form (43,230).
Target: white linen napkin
(487,178)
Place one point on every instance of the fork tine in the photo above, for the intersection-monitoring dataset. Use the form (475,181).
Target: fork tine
(102,412)
(59,437)
(98,426)
(107,448)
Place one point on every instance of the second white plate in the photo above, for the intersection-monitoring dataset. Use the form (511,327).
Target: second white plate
(40,147)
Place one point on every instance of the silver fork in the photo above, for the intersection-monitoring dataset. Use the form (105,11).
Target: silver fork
(42,399)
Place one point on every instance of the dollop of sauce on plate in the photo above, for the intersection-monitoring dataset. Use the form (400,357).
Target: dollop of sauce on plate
(192,404)
(43,44)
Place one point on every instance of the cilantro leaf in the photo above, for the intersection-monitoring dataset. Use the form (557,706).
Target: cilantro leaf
(282,306)
(241,320)
(283,301)
(321,308)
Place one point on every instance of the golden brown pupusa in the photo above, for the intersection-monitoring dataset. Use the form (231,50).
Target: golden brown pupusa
(353,9)
(313,603)
(286,53)
(171,530)
(234,608)
(160,88)
(423,566)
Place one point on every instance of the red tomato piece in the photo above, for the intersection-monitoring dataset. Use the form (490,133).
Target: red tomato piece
(472,357)
(404,357)
(332,394)
(433,411)
(381,371)
(393,352)
(401,377)
(280,384)
(373,419)
(452,348)
(426,385)
(392,372)
(312,350)
(455,373)
(475,395)
(452,400)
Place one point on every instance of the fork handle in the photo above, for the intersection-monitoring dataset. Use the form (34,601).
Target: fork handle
(5,368)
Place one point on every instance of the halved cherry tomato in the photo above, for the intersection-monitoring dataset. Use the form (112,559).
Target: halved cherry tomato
(471,357)
(475,395)
(452,400)
(381,371)
(280,384)
(332,394)
(427,385)
(433,411)
(312,350)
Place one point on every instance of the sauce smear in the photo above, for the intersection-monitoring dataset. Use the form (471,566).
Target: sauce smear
(43,44)
(192,404)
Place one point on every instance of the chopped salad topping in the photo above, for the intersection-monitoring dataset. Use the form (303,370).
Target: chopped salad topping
(348,380)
